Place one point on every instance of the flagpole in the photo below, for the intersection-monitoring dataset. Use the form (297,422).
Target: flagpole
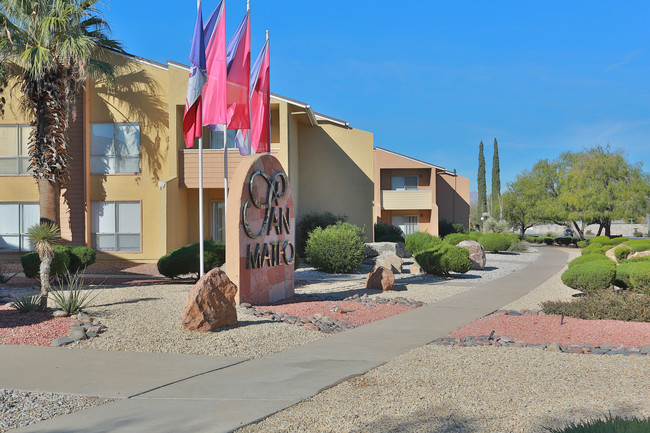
(225,172)
(201,252)
(268,47)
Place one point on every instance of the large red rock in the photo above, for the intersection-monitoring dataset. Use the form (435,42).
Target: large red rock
(380,279)
(211,303)
(476,253)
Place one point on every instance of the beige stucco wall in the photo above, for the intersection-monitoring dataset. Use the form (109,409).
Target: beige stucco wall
(453,198)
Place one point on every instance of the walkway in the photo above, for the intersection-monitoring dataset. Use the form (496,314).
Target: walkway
(184,393)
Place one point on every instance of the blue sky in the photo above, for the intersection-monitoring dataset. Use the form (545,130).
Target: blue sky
(431,79)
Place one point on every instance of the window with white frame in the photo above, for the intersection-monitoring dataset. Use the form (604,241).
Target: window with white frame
(115,148)
(15,220)
(404,183)
(407,223)
(115,226)
(218,221)
(216,139)
(14,155)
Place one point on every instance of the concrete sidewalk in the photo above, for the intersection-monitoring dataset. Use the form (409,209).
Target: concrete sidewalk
(176,393)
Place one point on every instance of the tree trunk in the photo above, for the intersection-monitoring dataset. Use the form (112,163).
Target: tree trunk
(46,264)
(608,228)
(49,196)
(600,229)
(581,235)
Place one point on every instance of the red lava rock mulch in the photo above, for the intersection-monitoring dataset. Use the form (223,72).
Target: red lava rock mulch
(356,313)
(35,328)
(545,329)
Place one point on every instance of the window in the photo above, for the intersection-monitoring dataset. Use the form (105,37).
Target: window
(116,226)
(14,155)
(407,223)
(15,220)
(218,221)
(404,183)
(115,148)
(216,139)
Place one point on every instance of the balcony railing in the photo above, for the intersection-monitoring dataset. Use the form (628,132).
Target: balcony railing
(406,200)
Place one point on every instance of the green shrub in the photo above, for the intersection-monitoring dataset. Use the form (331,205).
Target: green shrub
(530,239)
(590,276)
(609,425)
(619,240)
(456,238)
(495,242)
(31,263)
(588,258)
(582,244)
(445,228)
(337,249)
(185,260)
(603,240)
(517,246)
(475,236)
(634,275)
(595,249)
(296,261)
(637,234)
(388,233)
(563,240)
(80,258)
(443,259)
(621,253)
(604,304)
(639,245)
(420,241)
(548,240)
(26,303)
(313,220)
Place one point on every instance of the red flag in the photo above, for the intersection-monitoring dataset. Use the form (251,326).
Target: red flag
(239,62)
(260,104)
(214,100)
(192,122)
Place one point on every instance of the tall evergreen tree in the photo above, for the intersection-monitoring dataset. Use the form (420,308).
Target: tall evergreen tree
(495,194)
(482,187)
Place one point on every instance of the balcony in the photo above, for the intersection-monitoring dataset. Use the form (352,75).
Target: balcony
(406,200)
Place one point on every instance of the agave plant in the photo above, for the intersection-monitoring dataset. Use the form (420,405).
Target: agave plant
(43,237)
(5,275)
(26,304)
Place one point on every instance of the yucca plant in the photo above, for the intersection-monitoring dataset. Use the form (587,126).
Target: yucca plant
(43,237)
(5,275)
(71,296)
(608,425)
(25,304)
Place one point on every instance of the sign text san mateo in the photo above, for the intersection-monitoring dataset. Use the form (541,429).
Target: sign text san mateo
(276,220)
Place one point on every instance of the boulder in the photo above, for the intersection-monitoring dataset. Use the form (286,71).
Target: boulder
(610,252)
(416,269)
(374,249)
(380,279)
(639,254)
(476,253)
(211,303)
(389,261)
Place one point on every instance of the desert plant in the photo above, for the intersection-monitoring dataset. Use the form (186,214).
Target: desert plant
(621,253)
(420,241)
(336,249)
(517,246)
(312,220)
(5,275)
(27,303)
(495,242)
(608,425)
(455,238)
(604,304)
(70,295)
(43,237)
(590,276)
(388,233)
(443,259)
(493,226)
(185,260)
(634,275)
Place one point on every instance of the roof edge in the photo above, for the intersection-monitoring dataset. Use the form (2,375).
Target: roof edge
(415,160)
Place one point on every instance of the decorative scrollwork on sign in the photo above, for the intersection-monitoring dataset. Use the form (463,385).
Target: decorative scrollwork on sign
(276,189)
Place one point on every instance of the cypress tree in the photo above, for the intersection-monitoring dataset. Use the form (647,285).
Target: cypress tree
(482,187)
(496,184)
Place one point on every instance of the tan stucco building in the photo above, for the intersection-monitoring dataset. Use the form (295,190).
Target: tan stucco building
(133,192)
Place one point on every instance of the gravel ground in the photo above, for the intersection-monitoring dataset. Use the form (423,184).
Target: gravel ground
(473,389)
(20,409)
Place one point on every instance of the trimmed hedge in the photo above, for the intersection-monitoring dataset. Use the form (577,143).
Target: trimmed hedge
(495,242)
(595,249)
(444,259)
(80,258)
(31,264)
(456,238)
(388,233)
(475,236)
(634,275)
(590,276)
(421,241)
(313,220)
(621,253)
(564,240)
(603,240)
(445,228)
(583,244)
(639,245)
(588,258)
(185,260)
(337,249)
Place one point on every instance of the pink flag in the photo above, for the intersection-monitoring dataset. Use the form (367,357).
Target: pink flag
(239,61)
(261,102)
(214,99)
(192,122)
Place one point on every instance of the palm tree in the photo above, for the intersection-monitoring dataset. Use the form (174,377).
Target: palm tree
(51,47)
(43,237)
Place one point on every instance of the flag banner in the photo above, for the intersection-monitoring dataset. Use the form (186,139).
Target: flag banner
(243,141)
(239,60)
(192,119)
(260,102)
(214,92)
